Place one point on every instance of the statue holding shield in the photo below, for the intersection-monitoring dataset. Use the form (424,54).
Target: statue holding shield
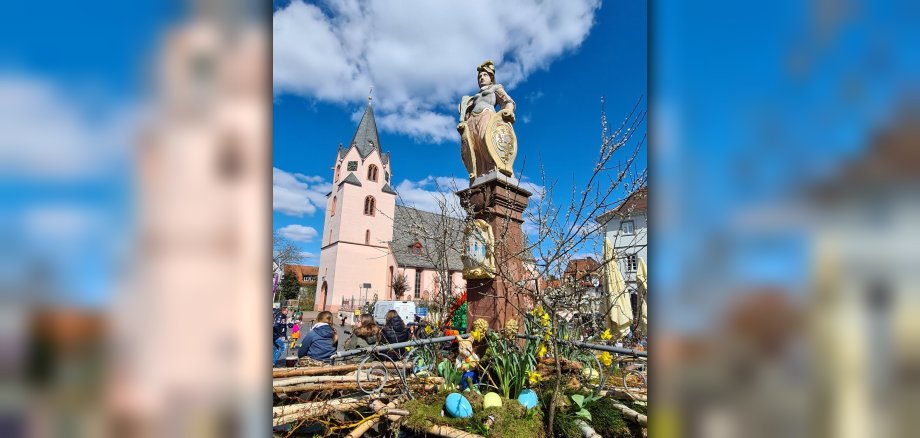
(487,140)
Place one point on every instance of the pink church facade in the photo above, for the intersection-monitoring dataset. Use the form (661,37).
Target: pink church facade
(358,244)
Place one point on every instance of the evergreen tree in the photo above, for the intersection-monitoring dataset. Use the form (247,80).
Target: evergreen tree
(289,288)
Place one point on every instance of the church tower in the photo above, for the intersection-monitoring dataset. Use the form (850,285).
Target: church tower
(358,224)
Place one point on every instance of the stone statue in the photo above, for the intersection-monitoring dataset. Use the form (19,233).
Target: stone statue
(487,140)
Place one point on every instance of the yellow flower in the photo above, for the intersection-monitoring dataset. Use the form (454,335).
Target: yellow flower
(605,359)
(477,335)
(606,335)
(408,348)
(541,351)
(481,325)
(428,330)
(534,377)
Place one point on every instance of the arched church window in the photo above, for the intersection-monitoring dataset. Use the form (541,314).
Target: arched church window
(369,206)
(372,172)
(333,206)
(367,237)
(338,170)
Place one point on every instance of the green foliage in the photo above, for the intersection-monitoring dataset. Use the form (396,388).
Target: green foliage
(289,288)
(458,321)
(579,401)
(450,374)
(508,364)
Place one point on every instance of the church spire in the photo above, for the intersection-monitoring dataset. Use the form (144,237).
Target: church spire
(366,139)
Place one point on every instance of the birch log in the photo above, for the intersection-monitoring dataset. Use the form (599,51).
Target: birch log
(631,414)
(586,430)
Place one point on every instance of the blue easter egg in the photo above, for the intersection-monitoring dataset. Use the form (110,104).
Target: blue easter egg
(528,399)
(458,406)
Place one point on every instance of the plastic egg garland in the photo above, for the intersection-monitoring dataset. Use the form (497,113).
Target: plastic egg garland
(458,406)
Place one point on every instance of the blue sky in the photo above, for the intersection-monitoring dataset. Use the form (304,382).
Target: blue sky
(556,80)
(72,76)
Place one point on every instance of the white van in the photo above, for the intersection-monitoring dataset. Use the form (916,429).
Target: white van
(405,309)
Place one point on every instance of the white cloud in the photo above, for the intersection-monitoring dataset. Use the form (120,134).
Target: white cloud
(431,193)
(308,255)
(419,57)
(60,131)
(298,233)
(295,194)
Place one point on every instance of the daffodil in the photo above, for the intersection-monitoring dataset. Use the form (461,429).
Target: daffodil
(605,358)
(606,335)
(534,377)
(541,351)
(477,335)
(428,330)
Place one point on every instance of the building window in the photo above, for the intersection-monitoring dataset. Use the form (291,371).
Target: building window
(418,283)
(416,248)
(369,206)
(338,170)
(367,237)
(632,263)
(352,166)
(333,206)
(372,172)
(628,227)
(304,278)
(386,176)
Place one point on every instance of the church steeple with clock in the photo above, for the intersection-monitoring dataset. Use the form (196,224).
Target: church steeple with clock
(358,225)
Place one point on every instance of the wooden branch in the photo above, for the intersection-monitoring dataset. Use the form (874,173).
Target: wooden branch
(631,414)
(450,432)
(278,411)
(318,409)
(617,394)
(381,410)
(351,385)
(332,369)
(586,430)
(324,379)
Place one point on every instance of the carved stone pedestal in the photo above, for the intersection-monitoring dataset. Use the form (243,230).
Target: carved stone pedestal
(498,200)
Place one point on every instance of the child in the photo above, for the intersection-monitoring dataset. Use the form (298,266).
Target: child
(295,333)
(321,342)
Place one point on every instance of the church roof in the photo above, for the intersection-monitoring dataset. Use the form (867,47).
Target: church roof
(388,189)
(411,225)
(351,179)
(366,139)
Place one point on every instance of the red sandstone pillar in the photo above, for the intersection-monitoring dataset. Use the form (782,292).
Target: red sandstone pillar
(501,204)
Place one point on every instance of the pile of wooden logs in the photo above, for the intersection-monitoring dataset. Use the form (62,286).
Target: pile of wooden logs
(319,393)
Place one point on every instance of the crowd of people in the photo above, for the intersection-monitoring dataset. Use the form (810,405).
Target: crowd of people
(321,342)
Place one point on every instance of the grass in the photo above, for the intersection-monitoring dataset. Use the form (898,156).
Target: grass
(511,421)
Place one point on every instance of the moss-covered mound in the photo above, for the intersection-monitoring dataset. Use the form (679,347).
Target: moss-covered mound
(511,421)
(608,421)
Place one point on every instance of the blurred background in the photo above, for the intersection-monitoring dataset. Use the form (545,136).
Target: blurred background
(135,151)
(784,168)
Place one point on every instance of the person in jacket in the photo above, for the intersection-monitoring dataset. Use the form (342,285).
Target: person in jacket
(321,342)
(365,335)
(279,334)
(395,330)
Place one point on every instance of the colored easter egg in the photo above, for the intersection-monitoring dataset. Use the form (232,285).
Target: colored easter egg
(491,400)
(528,398)
(458,406)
